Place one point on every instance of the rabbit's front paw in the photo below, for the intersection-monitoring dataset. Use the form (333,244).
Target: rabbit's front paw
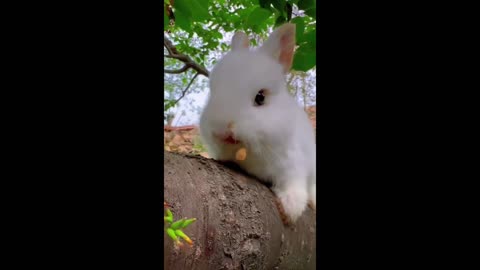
(283,216)
(312,197)
(292,203)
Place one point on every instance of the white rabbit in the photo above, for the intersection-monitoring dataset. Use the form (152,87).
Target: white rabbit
(249,107)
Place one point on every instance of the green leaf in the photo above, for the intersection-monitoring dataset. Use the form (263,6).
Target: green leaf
(169,213)
(172,234)
(188,222)
(311,38)
(306,4)
(204,3)
(265,3)
(217,35)
(279,21)
(184,236)
(182,21)
(177,224)
(233,18)
(199,9)
(183,7)
(299,28)
(212,45)
(245,12)
(165,19)
(258,16)
(304,59)
(169,104)
(191,11)
(227,28)
(279,5)
(312,12)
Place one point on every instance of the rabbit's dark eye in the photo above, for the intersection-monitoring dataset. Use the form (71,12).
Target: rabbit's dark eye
(260,98)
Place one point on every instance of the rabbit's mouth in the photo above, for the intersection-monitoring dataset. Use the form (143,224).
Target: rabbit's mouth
(230,140)
(227,138)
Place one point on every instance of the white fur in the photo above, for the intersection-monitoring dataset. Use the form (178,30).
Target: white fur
(278,136)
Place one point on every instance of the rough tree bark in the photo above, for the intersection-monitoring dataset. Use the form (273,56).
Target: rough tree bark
(238,224)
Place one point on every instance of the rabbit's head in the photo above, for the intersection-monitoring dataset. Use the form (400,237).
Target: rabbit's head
(249,101)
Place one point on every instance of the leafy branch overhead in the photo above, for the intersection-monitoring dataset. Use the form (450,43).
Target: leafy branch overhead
(206,17)
(189,63)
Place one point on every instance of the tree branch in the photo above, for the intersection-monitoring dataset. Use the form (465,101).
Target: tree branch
(176,71)
(238,225)
(189,63)
(186,89)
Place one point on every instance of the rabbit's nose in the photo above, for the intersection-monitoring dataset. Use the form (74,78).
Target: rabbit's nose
(227,136)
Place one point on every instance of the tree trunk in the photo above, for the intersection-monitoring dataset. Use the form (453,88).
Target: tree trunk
(238,224)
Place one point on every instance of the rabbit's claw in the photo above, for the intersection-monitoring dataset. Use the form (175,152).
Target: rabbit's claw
(312,206)
(283,216)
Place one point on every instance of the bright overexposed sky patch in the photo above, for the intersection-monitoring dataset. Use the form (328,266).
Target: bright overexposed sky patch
(190,117)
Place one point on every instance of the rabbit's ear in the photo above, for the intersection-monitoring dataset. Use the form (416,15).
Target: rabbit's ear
(281,44)
(240,41)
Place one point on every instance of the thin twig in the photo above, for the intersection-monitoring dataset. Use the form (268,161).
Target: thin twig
(186,89)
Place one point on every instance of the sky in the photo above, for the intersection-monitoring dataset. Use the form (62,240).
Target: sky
(190,117)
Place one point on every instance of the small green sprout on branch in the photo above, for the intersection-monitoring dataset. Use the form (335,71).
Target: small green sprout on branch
(174,230)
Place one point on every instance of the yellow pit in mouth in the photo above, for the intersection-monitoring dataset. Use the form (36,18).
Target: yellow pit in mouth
(241,154)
